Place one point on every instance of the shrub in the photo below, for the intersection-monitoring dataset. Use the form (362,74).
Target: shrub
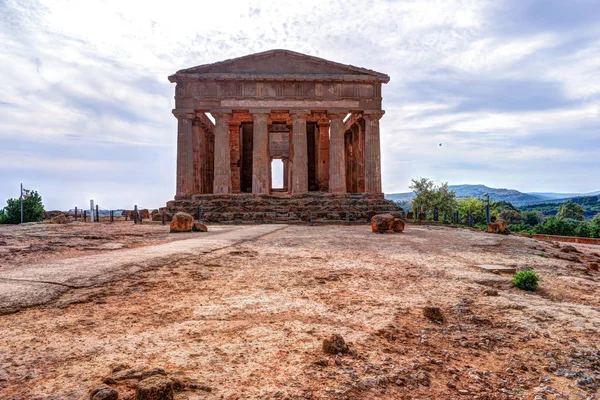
(33,210)
(526,280)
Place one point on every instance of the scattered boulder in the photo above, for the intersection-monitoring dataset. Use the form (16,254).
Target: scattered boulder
(398,225)
(59,219)
(335,345)
(499,226)
(199,227)
(157,387)
(158,217)
(145,214)
(104,392)
(154,212)
(52,214)
(434,314)
(382,223)
(569,249)
(593,266)
(182,222)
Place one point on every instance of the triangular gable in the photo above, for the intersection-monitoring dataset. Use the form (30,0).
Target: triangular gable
(277,62)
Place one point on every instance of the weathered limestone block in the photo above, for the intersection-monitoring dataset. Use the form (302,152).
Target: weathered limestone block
(497,227)
(158,217)
(182,222)
(382,223)
(156,387)
(59,219)
(200,227)
(398,225)
(104,392)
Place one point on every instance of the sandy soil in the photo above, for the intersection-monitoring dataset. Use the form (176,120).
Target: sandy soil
(248,321)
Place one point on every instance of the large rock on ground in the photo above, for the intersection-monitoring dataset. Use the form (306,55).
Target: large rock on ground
(104,392)
(382,223)
(145,214)
(398,225)
(182,222)
(335,345)
(59,219)
(156,387)
(158,217)
(200,227)
(498,226)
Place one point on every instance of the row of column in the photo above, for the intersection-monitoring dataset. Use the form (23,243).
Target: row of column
(331,142)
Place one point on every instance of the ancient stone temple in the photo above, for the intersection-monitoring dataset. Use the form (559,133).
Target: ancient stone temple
(317,118)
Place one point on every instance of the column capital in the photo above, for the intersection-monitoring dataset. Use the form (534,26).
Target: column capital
(184,113)
(373,115)
(260,116)
(299,114)
(336,116)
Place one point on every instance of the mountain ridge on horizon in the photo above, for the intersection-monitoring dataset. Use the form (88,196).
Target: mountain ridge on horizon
(517,198)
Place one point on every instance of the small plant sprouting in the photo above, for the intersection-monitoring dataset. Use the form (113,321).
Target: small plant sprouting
(526,280)
(542,255)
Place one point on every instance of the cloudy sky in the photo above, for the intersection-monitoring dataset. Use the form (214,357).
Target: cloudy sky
(511,88)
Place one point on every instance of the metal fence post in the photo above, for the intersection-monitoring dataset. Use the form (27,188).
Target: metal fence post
(84,215)
(75,213)
(97,215)
(163,217)
(135,214)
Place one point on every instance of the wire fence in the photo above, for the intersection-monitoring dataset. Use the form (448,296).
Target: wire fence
(101,214)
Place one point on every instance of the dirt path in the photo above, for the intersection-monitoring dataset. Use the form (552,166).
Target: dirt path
(248,321)
(28,285)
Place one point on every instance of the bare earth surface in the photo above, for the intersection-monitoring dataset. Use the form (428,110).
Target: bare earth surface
(246,318)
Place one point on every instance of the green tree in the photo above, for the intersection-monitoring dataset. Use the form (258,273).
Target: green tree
(471,207)
(445,199)
(571,210)
(33,210)
(425,196)
(532,218)
(431,197)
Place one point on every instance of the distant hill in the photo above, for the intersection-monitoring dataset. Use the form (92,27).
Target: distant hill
(513,196)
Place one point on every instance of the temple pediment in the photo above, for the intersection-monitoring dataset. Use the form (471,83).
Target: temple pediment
(280,64)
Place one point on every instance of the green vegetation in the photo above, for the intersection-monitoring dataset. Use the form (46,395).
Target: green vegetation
(590,204)
(33,210)
(567,219)
(570,210)
(430,197)
(526,280)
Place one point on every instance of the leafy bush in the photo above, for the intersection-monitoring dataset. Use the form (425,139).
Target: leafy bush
(526,280)
(33,210)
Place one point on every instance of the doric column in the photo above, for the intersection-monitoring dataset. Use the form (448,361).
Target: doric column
(372,152)
(300,160)
(222,179)
(337,162)
(260,154)
(234,146)
(323,156)
(185,154)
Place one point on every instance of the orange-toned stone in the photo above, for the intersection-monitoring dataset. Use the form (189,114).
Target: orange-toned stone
(382,223)
(182,222)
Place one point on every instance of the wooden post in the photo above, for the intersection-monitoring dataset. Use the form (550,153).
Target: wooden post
(75,213)
(84,215)
(135,214)
(163,219)
(97,216)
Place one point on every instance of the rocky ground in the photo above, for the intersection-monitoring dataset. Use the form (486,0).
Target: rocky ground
(249,321)
(40,242)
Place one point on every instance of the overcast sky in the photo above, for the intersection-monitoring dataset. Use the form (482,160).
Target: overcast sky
(510,88)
